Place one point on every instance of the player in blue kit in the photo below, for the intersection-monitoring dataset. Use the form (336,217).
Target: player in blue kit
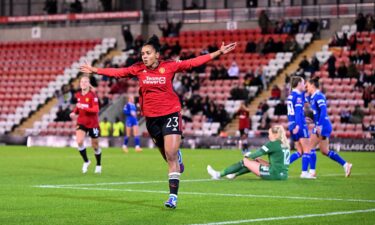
(130,111)
(298,126)
(323,128)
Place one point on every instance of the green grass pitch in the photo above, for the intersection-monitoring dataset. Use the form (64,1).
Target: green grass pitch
(45,186)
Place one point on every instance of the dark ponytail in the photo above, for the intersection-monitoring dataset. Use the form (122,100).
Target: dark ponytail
(154,42)
(314,81)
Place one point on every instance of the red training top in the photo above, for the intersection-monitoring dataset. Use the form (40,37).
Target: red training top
(89,115)
(157,97)
(244,121)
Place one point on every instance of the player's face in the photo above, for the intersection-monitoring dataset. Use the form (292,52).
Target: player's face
(309,88)
(149,55)
(84,83)
(271,135)
(301,85)
(131,99)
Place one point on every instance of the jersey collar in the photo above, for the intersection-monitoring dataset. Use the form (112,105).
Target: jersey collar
(316,92)
(297,91)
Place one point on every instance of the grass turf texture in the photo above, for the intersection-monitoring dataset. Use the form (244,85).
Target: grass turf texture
(201,200)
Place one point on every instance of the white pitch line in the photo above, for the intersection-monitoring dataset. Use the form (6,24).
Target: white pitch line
(211,194)
(333,175)
(163,181)
(289,217)
(119,183)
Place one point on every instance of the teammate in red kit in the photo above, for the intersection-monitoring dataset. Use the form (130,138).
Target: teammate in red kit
(243,127)
(243,122)
(87,109)
(159,103)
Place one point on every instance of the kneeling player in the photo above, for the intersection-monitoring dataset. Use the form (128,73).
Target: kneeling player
(278,153)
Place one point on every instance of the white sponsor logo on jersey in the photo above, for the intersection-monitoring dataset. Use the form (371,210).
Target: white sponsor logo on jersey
(154,80)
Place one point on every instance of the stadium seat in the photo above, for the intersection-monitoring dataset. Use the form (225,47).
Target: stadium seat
(49,72)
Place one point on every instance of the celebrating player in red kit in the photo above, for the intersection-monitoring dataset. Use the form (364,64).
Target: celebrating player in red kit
(159,103)
(87,109)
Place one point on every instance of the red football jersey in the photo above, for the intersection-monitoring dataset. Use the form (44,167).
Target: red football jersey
(157,97)
(244,121)
(88,116)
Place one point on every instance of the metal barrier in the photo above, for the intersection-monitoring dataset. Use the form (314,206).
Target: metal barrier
(204,16)
(246,14)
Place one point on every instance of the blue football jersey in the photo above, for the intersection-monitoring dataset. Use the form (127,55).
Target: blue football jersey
(296,115)
(130,110)
(318,104)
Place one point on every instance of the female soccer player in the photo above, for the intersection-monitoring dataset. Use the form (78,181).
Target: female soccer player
(87,109)
(278,153)
(130,111)
(159,103)
(297,125)
(323,127)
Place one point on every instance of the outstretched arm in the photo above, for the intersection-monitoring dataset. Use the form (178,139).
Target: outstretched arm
(224,49)
(265,149)
(200,60)
(256,154)
(110,72)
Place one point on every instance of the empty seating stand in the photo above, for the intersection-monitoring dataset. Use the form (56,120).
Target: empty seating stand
(32,71)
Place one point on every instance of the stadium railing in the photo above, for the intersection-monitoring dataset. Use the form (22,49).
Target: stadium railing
(201,16)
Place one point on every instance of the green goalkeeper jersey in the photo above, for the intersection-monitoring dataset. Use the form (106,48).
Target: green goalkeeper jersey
(278,156)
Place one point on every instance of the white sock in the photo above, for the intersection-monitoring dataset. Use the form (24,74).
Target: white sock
(80,148)
(98,151)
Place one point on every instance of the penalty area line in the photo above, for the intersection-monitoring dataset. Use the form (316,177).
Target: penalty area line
(289,217)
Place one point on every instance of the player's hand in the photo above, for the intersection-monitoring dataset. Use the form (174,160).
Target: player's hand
(309,120)
(296,129)
(224,49)
(247,154)
(87,68)
(318,130)
(72,115)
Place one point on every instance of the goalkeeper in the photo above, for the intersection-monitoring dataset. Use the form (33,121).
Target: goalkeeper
(278,153)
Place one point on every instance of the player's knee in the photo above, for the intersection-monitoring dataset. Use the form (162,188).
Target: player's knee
(80,143)
(324,152)
(171,156)
(306,150)
(247,162)
(95,144)
(97,150)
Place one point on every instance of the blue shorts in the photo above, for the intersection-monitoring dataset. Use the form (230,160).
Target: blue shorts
(303,132)
(131,121)
(325,132)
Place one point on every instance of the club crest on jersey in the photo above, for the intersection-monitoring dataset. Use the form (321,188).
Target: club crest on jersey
(299,100)
(162,70)
(87,99)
